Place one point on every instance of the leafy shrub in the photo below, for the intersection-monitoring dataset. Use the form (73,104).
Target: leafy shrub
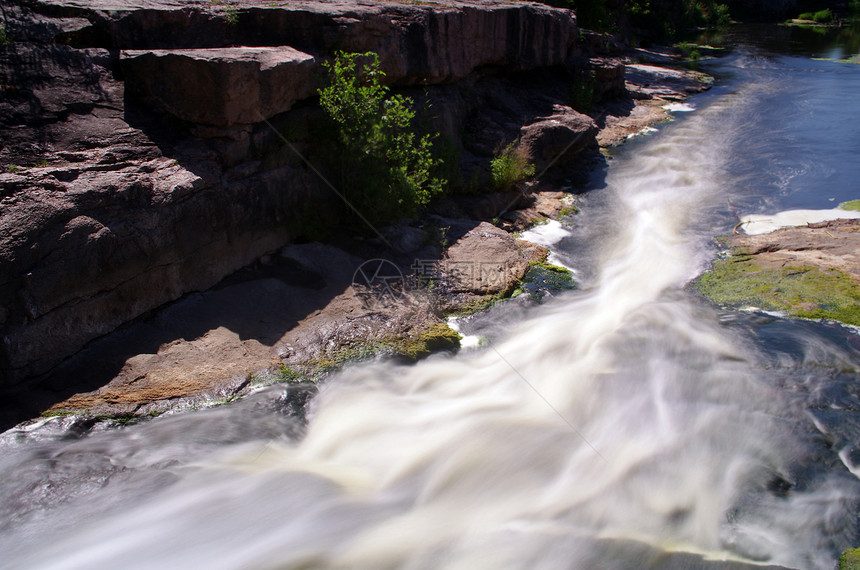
(5,39)
(668,19)
(690,52)
(823,16)
(386,168)
(582,92)
(509,167)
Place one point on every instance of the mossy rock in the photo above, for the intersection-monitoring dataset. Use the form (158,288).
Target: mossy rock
(850,559)
(850,205)
(438,337)
(544,278)
(803,291)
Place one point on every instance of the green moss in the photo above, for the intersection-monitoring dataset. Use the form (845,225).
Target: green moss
(544,278)
(850,205)
(58,413)
(850,559)
(121,419)
(436,338)
(479,304)
(568,210)
(805,292)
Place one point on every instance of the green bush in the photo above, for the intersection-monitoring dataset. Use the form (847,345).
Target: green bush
(668,19)
(823,16)
(387,170)
(5,39)
(509,167)
(582,92)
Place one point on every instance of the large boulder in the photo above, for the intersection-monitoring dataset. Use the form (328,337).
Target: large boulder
(222,86)
(557,138)
(485,260)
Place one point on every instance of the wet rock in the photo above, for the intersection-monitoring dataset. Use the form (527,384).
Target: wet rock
(649,81)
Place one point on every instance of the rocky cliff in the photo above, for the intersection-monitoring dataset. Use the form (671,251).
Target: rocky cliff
(143,152)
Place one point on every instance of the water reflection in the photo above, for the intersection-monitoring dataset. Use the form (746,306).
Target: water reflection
(836,43)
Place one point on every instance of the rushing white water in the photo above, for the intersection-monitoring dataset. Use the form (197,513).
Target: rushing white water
(623,425)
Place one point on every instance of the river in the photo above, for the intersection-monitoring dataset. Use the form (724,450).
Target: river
(626,424)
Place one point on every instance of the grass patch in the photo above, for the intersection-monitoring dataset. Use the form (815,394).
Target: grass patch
(805,292)
(850,205)
(231,16)
(5,38)
(509,167)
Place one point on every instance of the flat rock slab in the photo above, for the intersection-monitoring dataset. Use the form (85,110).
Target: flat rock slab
(652,89)
(649,81)
(222,86)
(828,245)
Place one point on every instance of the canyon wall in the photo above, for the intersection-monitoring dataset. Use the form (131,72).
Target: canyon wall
(143,142)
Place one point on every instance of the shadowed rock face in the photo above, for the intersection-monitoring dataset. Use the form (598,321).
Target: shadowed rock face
(417,44)
(222,86)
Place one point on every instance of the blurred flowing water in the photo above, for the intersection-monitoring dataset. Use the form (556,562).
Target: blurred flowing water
(627,424)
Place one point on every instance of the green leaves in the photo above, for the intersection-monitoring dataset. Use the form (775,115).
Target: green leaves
(509,167)
(387,169)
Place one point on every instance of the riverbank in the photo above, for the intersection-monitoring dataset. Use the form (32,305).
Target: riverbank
(294,312)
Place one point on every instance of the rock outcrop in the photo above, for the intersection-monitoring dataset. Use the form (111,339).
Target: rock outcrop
(136,165)
(149,149)
(810,271)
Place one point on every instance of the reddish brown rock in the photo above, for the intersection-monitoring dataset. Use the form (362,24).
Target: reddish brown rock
(557,138)
(222,86)
(826,245)
(483,261)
